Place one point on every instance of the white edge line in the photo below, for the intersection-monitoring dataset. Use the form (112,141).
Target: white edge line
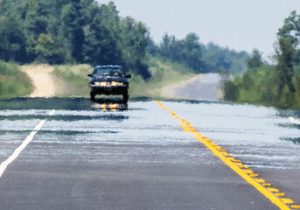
(24,144)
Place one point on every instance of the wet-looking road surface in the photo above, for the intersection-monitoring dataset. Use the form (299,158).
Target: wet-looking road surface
(83,157)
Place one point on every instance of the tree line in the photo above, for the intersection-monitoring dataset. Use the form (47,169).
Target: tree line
(199,57)
(84,31)
(71,31)
(277,84)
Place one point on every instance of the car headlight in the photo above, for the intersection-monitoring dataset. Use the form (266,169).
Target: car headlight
(113,83)
(102,84)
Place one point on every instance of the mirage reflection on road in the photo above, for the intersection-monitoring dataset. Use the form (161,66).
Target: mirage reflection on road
(109,105)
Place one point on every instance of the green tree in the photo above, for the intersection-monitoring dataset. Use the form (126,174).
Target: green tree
(133,44)
(288,40)
(12,40)
(72,28)
(199,57)
(255,60)
(48,50)
(277,84)
(84,30)
(231,91)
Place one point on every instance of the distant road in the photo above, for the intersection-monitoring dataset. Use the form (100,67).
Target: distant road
(73,154)
(42,80)
(201,87)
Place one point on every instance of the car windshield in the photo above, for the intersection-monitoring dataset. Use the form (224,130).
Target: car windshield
(110,72)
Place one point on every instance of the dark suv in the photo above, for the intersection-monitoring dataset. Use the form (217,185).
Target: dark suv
(109,80)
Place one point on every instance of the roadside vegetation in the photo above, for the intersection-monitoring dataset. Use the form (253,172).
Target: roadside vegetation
(277,84)
(164,72)
(66,33)
(70,32)
(61,32)
(72,80)
(199,57)
(13,82)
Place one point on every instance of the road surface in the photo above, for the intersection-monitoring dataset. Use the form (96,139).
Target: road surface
(201,87)
(79,156)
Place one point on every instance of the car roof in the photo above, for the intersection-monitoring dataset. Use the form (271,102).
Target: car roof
(108,67)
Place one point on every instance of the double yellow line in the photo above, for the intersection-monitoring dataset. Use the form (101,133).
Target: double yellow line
(276,196)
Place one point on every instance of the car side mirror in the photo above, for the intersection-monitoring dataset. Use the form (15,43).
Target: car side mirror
(128,76)
(89,75)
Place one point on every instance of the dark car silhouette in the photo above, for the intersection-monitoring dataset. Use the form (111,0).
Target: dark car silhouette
(109,80)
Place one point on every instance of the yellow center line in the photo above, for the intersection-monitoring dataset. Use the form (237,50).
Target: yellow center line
(265,188)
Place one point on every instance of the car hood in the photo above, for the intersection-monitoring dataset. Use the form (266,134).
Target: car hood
(109,79)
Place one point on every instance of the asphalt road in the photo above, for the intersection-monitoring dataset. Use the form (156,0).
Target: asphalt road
(83,157)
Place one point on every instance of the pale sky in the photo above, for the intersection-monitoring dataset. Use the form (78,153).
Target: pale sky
(237,24)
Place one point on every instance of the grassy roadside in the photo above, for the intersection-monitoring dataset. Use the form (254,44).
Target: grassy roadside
(260,86)
(163,73)
(13,82)
(72,80)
